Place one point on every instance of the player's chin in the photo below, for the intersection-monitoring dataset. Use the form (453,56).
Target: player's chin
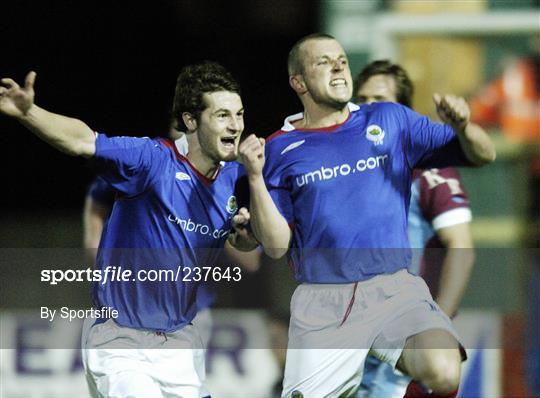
(340,102)
(229,156)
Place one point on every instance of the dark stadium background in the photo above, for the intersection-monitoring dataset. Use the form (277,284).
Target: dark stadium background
(114,65)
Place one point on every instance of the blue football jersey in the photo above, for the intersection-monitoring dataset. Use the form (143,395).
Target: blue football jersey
(167,217)
(345,189)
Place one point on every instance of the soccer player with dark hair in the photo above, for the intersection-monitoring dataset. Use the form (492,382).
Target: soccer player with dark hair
(383,81)
(173,213)
(331,189)
(439,217)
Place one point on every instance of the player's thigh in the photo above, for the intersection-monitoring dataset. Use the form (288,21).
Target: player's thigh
(178,372)
(323,372)
(128,385)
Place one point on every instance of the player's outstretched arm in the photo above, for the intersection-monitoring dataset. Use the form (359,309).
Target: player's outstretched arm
(69,135)
(269,226)
(474,141)
(457,266)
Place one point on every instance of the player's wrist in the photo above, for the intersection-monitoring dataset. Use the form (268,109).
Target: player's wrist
(460,128)
(27,114)
(241,243)
(255,178)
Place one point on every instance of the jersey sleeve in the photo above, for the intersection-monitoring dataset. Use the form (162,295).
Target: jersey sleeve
(100,191)
(443,200)
(130,165)
(429,144)
(277,185)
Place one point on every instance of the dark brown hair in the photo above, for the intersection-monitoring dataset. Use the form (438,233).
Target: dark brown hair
(404,86)
(193,82)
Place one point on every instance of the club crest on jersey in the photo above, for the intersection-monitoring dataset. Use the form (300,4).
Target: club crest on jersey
(375,134)
(232,205)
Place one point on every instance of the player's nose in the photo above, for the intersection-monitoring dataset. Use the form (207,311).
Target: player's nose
(337,65)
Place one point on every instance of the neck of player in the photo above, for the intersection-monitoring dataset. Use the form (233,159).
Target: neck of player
(203,164)
(320,116)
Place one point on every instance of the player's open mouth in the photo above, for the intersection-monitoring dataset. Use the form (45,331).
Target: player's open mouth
(338,83)
(229,142)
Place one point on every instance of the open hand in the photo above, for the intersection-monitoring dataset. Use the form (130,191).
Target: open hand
(15,101)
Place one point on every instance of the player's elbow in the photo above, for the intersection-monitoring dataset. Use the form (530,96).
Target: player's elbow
(85,149)
(485,158)
(275,253)
(82,142)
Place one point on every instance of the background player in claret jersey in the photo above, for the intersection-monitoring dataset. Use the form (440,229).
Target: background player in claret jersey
(335,190)
(163,192)
(439,217)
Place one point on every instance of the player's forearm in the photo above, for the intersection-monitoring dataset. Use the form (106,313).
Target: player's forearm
(476,144)
(455,275)
(267,223)
(66,134)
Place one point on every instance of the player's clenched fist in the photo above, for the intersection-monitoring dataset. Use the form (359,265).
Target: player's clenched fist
(252,154)
(242,239)
(15,101)
(452,110)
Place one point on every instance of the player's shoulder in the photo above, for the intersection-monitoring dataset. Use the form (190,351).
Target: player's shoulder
(232,167)
(276,135)
(286,131)
(449,172)
(123,144)
(441,174)
(383,110)
(282,140)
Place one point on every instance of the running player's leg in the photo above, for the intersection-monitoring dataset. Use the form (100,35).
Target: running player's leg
(421,340)
(322,358)
(433,358)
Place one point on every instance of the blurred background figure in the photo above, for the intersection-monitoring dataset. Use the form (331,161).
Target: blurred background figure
(511,102)
(439,217)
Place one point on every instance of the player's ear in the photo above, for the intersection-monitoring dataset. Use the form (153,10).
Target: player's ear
(190,121)
(297,83)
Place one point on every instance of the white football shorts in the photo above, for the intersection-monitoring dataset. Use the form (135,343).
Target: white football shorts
(123,362)
(334,326)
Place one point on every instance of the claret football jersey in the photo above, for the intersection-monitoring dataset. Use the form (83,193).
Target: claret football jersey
(438,200)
